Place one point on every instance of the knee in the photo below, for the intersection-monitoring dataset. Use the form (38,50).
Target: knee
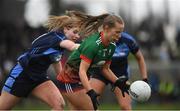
(58,104)
(62,104)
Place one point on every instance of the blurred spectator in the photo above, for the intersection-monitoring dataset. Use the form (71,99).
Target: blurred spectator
(8,64)
(178,39)
(163,54)
(166,91)
(1,77)
(154,81)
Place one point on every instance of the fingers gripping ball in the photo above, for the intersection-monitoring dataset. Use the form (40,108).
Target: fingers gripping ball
(140,91)
(122,84)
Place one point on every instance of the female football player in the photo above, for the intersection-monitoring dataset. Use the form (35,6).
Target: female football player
(29,75)
(95,51)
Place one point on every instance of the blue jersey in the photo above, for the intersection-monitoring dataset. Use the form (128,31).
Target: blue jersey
(44,51)
(124,46)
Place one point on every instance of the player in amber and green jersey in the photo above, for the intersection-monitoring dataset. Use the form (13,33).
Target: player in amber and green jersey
(95,51)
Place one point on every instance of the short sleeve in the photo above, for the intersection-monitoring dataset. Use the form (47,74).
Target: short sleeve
(88,52)
(134,47)
(132,44)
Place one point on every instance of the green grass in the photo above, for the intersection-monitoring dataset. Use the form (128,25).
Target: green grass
(37,105)
(154,106)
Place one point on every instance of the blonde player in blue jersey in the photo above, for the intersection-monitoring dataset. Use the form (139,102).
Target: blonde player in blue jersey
(29,75)
(95,51)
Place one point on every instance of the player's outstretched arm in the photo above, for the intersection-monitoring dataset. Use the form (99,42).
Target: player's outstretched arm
(69,45)
(142,65)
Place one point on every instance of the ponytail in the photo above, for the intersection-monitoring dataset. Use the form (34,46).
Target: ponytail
(89,24)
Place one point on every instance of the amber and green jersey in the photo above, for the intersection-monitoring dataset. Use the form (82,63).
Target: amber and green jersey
(93,51)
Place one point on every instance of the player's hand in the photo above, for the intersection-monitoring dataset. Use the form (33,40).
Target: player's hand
(93,95)
(145,80)
(122,84)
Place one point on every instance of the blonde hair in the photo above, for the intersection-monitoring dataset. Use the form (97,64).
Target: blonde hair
(57,23)
(88,24)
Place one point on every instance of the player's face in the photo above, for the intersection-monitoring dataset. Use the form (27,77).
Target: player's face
(72,33)
(114,32)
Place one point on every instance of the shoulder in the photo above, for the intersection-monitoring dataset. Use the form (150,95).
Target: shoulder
(127,37)
(113,45)
(59,35)
(51,36)
(90,44)
(93,40)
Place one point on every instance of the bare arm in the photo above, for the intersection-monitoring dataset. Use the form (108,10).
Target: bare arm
(83,75)
(57,67)
(142,64)
(120,82)
(108,73)
(69,45)
(84,79)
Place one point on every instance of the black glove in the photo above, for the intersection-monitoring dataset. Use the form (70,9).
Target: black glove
(121,84)
(93,95)
(145,80)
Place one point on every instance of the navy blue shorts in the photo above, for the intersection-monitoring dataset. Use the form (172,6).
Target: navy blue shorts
(99,75)
(69,87)
(20,82)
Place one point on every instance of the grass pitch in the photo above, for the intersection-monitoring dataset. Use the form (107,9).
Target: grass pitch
(38,105)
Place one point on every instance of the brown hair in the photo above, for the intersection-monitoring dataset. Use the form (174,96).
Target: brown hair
(111,20)
(91,24)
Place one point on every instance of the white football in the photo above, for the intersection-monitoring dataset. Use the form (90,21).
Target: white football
(140,91)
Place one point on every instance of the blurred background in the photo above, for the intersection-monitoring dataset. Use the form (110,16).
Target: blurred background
(155,24)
